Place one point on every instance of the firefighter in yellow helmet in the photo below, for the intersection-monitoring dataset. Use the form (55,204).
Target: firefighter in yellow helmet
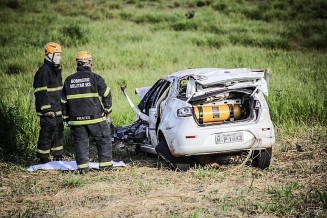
(47,90)
(83,110)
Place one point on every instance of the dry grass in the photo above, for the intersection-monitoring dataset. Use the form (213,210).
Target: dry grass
(294,185)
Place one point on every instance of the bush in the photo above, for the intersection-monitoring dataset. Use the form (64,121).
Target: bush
(275,15)
(184,25)
(317,41)
(265,6)
(156,18)
(140,5)
(269,41)
(307,34)
(212,42)
(131,1)
(191,4)
(319,9)
(15,68)
(213,29)
(4,39)
(13,4)
(72,31)
(115,6)
(252,13)
(17,133)
(202,3)
(121,82)
(282,5)
(273,42)
(72,34)
(125,15)
(177,4)
(220,6)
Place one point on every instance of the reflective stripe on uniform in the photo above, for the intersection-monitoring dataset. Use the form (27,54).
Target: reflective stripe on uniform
(45,106)
(104,164)
(58,113)
(48,89)
(107,110)
(63,101)
(65,117)
(57,148)
(86,95)
(106,93)
(55,89)
(44,151)
(40,89)
(83,122)
(81,166)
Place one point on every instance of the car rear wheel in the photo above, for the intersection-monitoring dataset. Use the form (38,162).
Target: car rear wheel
(181,163)
(261,158)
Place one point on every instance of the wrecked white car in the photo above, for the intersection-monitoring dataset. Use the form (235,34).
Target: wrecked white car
(204,111)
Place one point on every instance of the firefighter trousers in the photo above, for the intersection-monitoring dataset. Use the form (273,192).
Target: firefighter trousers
(51,137)
(100,133)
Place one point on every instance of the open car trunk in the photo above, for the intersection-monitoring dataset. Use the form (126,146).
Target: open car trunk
(227,106)
(227,97)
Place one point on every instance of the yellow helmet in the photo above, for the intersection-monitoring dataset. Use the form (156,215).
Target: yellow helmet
(52,47)
(83,56)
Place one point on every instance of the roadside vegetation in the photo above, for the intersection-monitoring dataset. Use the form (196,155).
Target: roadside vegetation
(134,43)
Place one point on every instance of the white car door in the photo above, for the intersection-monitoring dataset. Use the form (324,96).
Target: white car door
(153,117)
(155,112)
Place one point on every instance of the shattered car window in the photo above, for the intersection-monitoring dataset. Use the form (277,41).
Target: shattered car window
(142,104)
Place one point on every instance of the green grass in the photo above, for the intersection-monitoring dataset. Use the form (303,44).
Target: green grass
(135,46)
(74,181)
(136,42)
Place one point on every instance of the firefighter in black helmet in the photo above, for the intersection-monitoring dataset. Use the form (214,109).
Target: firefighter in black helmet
(85,114)
(47,90)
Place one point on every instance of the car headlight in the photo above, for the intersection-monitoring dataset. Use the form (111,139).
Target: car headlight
(184,112)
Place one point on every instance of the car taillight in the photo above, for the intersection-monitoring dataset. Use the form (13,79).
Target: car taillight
(184,112)
(190,136)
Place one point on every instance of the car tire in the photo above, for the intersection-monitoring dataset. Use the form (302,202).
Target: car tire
(180,163)
(261,158)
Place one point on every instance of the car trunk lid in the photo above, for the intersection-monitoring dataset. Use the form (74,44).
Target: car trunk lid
(226,79)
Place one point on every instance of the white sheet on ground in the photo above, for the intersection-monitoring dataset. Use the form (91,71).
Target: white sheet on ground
(68,165)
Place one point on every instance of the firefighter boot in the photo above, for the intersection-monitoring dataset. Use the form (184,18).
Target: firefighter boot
(58,158)
(44,160)
(84,170)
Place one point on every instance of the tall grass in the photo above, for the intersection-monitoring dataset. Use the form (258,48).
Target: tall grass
(134,43)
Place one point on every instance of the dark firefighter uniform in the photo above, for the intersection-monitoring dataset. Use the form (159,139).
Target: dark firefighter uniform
(47,90)
(83,110)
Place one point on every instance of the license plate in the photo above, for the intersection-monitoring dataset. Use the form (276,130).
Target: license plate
(229,137)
